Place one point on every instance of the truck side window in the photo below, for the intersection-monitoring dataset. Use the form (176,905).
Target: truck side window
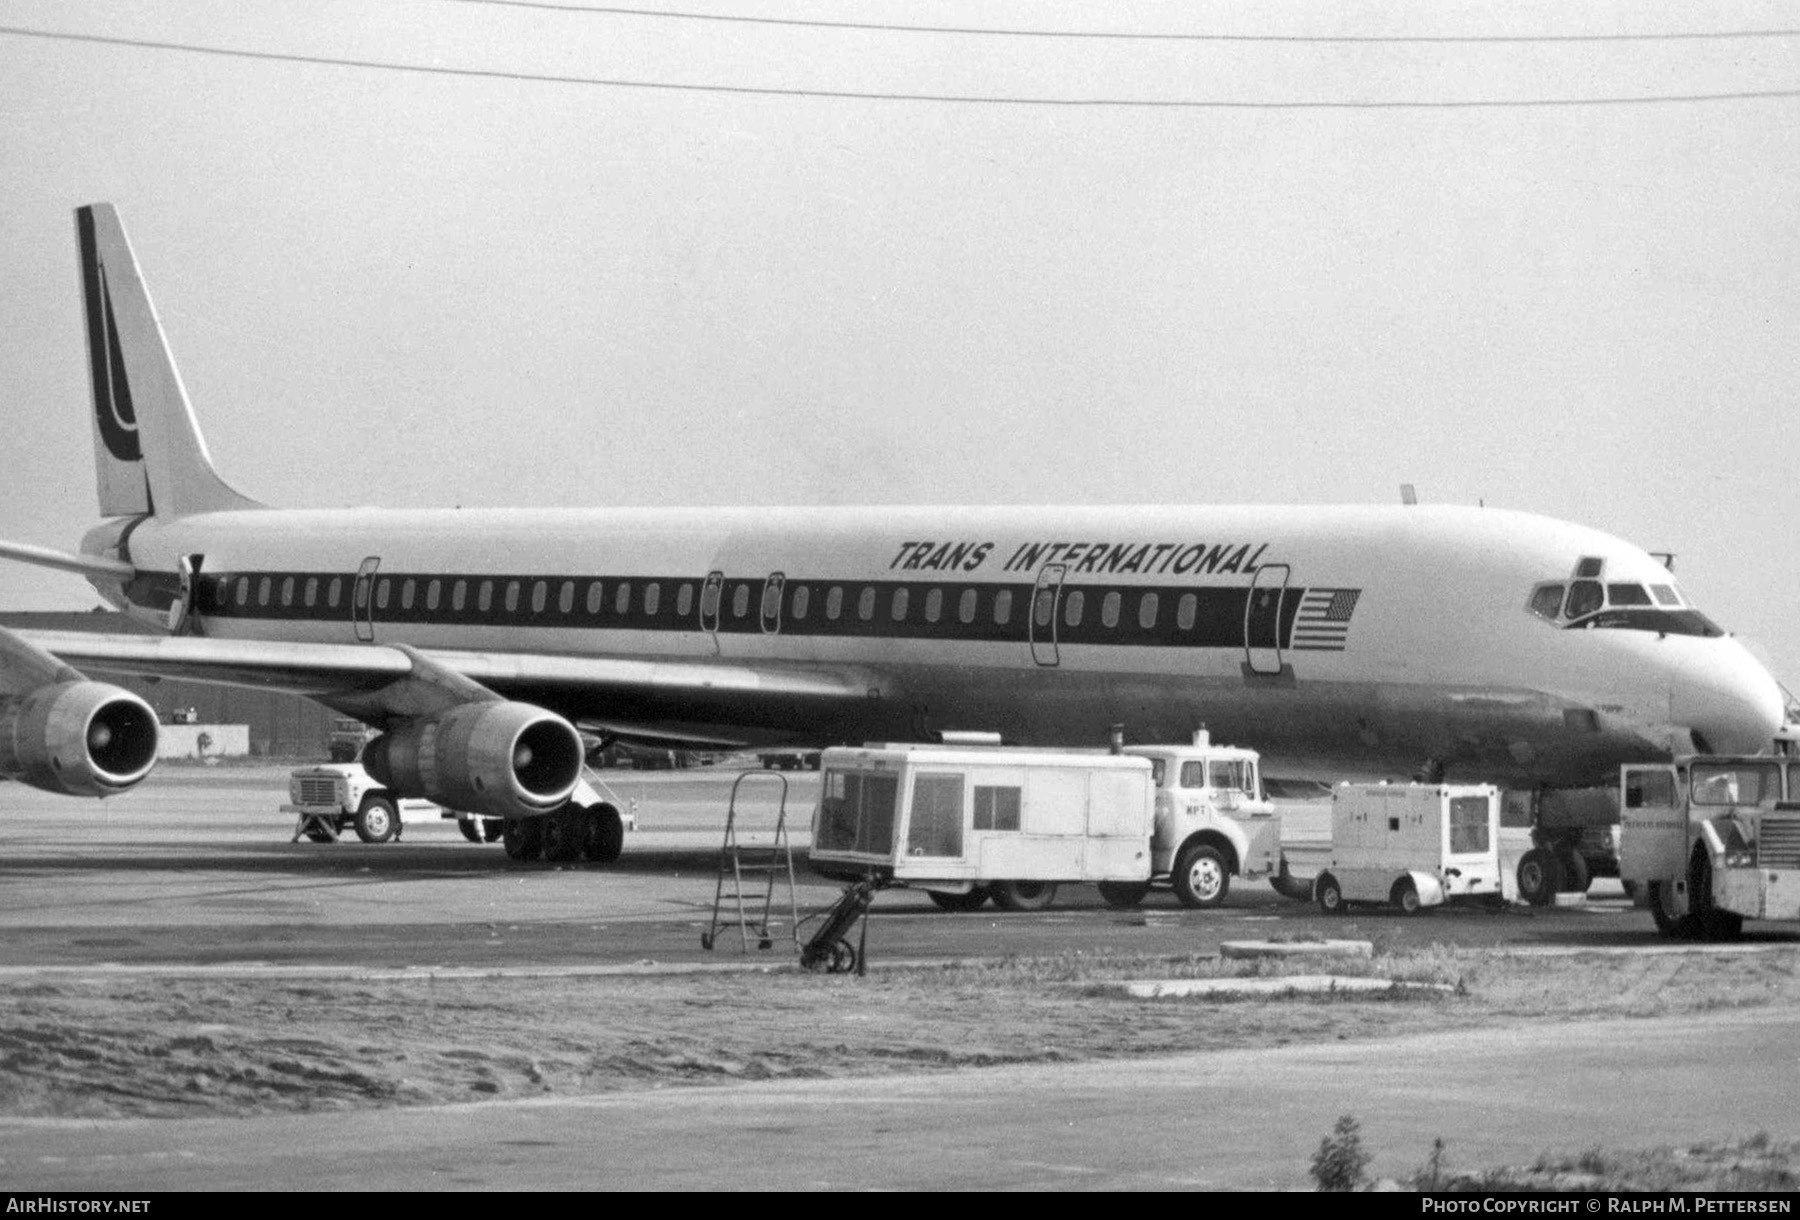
(1649,789)
(996,808)
(1193,775)
(935,828)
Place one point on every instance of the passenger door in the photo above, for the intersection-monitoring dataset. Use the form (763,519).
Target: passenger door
(1262,618)
(362,601)
(711,593)
(1046,601)
(771,603)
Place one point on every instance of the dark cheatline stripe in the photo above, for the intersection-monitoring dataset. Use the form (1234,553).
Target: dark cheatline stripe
(103,353)
(1216,615)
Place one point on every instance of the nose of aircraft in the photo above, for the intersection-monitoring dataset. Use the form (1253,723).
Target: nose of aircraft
(1727,701)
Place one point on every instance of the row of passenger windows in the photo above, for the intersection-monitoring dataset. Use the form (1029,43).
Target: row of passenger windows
(432,594)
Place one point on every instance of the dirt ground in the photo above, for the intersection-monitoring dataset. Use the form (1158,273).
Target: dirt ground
(167,1045)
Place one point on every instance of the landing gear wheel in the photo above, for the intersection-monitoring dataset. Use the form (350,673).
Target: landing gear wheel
(1023,895)
(971,901)
(1330,894)
(1201,878)
(524,838)
(1575,873)
(1405,896)
(1122,895)
(377,821)
(564,831)
(1540,876)
(843,958)
(471,828)
(605,834)
(492,828)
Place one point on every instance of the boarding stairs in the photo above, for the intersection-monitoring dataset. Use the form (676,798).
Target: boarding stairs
(755,862)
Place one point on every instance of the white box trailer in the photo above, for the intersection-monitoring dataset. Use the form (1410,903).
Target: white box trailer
(967,823)
(1411,845)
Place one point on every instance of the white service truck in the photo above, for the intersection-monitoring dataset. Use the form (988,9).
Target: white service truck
(1214,821)
(1411,846)
(330,798)
(1709,841)
(969,823)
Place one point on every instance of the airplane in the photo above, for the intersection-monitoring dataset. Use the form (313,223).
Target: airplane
(1345,641)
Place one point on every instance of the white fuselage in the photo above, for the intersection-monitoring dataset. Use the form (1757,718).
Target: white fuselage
(1337,640)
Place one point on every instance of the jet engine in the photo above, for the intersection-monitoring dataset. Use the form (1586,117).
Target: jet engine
(502,759)
(77,737)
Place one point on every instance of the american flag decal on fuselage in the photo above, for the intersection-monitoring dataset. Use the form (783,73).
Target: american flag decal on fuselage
(1323,621)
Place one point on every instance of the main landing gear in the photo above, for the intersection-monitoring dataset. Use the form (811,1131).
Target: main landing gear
(594,833)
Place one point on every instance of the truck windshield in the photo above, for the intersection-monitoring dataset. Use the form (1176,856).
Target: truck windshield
(1745,783)
(856,813)
(1235,774)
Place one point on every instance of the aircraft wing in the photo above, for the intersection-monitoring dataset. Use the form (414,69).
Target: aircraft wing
(650,701)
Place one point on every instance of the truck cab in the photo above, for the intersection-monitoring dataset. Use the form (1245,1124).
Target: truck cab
(1712,840)
(1214,820)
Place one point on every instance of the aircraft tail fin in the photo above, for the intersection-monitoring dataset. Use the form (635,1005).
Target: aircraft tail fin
(148,451)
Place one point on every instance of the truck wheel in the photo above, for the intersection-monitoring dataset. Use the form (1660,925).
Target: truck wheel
(605,834)
(1405,896)
(377,821)
(971,901)
(471,828)
(524,838)
(1575,873)
(1201,878)
(1662,910)
(1023,895)
(1330,894)
(1540,876)
(1122,895)
(1710,923)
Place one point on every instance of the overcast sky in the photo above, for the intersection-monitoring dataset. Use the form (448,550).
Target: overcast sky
(417,289)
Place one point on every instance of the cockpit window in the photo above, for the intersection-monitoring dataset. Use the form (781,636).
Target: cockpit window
(1583,604)
(1589,567)
(1585,597)
(1546,601)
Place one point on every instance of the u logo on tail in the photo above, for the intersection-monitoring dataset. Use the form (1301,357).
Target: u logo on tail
(148,453)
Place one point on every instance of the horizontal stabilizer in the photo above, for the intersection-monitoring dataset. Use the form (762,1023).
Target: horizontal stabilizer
(63,561)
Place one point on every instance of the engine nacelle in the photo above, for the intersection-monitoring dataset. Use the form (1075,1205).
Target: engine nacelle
(77,737)
(507,760)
